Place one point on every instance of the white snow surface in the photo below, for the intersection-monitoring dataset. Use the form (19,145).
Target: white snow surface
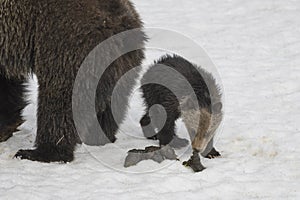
(256,48)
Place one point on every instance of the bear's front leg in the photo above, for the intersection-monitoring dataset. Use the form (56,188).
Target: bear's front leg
(194,162)
(48,153)
(56,134)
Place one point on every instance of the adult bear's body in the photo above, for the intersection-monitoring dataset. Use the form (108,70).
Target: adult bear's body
(51,38)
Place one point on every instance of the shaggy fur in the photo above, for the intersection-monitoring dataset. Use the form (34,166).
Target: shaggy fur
(208,98)
(51,38)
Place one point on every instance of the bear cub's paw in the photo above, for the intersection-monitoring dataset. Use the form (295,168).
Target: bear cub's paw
(194,165)
(213,154)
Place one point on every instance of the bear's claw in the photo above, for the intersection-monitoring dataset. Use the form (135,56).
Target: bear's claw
(213,154)
(47,154)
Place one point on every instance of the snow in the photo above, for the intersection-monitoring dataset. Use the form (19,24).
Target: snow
(256,47)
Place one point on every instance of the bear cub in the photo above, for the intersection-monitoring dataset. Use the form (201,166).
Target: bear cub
(184,90)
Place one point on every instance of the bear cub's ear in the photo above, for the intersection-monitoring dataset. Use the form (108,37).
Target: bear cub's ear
(217,107)
(187,103)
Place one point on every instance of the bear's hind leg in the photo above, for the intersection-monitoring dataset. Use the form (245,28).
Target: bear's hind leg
(147,126)
(167,133)
(12,103)
(108,123)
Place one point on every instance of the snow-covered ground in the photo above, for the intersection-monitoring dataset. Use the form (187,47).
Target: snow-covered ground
(256,47)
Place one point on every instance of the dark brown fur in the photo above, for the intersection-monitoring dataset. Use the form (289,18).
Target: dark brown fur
(51,38)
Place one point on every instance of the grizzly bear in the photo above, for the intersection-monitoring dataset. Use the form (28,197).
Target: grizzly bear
(51,38)
(164,84)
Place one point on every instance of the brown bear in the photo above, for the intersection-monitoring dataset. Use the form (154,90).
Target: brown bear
(167,84)
(51,38)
